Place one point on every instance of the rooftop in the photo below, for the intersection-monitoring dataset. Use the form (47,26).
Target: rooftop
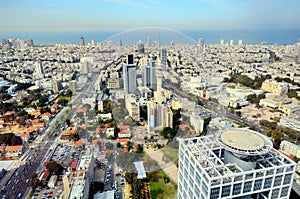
(245,142)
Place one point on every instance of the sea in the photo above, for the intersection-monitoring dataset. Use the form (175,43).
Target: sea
(162,35)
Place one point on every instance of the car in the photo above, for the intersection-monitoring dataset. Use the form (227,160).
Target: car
(20,195)
(27,180)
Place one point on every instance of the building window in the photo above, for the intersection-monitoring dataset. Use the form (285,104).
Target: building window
(287,179)
(237,189)
(226,191)
(284,191)
(247,187)
(198,179)
(215,192)
(277,181)
(257,185)
(275,193)
(267,183)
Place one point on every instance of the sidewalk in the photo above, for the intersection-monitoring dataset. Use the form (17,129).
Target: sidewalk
(168,167)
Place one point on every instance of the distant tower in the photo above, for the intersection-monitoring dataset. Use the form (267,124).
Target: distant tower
(163,58)
(129,75)
(158,43)
(222,42)
(120,42)
(231,42)
(93,42)
(82,41)
(172,42)
(141,47)
(240,42)
(39,68)
(201,45)
(149,42)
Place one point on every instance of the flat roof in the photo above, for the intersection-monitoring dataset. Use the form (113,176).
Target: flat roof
(244,141)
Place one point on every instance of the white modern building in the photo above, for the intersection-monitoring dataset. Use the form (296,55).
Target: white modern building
(240,163)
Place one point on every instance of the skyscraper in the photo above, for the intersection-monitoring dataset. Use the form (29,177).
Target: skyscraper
(149,42)
(163,58)
(201,45)
(56,85)
(93,42)
(240,42)
(129,75)
(39,68)
(149,78)
(222,42)
(231,42)
(82,41)
(240,163)
(120,42)
(141,47)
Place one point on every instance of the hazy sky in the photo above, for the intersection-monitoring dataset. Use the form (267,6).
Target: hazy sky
(126,14)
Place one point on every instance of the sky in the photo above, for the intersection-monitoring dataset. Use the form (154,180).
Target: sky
(58,15)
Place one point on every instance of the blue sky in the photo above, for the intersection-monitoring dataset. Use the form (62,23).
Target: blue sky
(26,15)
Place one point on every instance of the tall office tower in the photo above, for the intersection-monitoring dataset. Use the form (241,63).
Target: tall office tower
(56,85)
(141,47)
(200,45)
(129,75)
(159,116)
(231,42)
(120,42)
(149,78)
(129,59)
(222,42)
(163,59)
(93,42)
(172,42)
(149,42)
(240,163)
(82,41)
(240,42)
(272,56)
(39,68)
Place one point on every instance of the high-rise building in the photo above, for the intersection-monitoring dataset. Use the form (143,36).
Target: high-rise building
(129,75)
(149,78)
(222,42)
(231,42)
(141,47)
(129,59)
(159,116)
(120,42)
(72,86)
(201,45)
(239,163)
(240,42)
(56,85)
(82,41)
(163,59)
(39,68)
(149,42)
(93,42)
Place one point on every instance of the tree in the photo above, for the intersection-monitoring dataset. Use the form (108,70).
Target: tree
(139,148)
(63,101)
(16,140)
(54,168)
(68,122)
(167,132)
(119,145)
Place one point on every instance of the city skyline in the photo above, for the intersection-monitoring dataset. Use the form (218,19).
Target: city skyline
(30,15)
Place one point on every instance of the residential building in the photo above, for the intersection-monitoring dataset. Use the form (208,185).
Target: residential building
(239,163)
(272,86)
(159,116)
(132,106)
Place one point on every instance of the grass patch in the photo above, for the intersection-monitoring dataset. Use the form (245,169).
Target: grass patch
(161,187)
